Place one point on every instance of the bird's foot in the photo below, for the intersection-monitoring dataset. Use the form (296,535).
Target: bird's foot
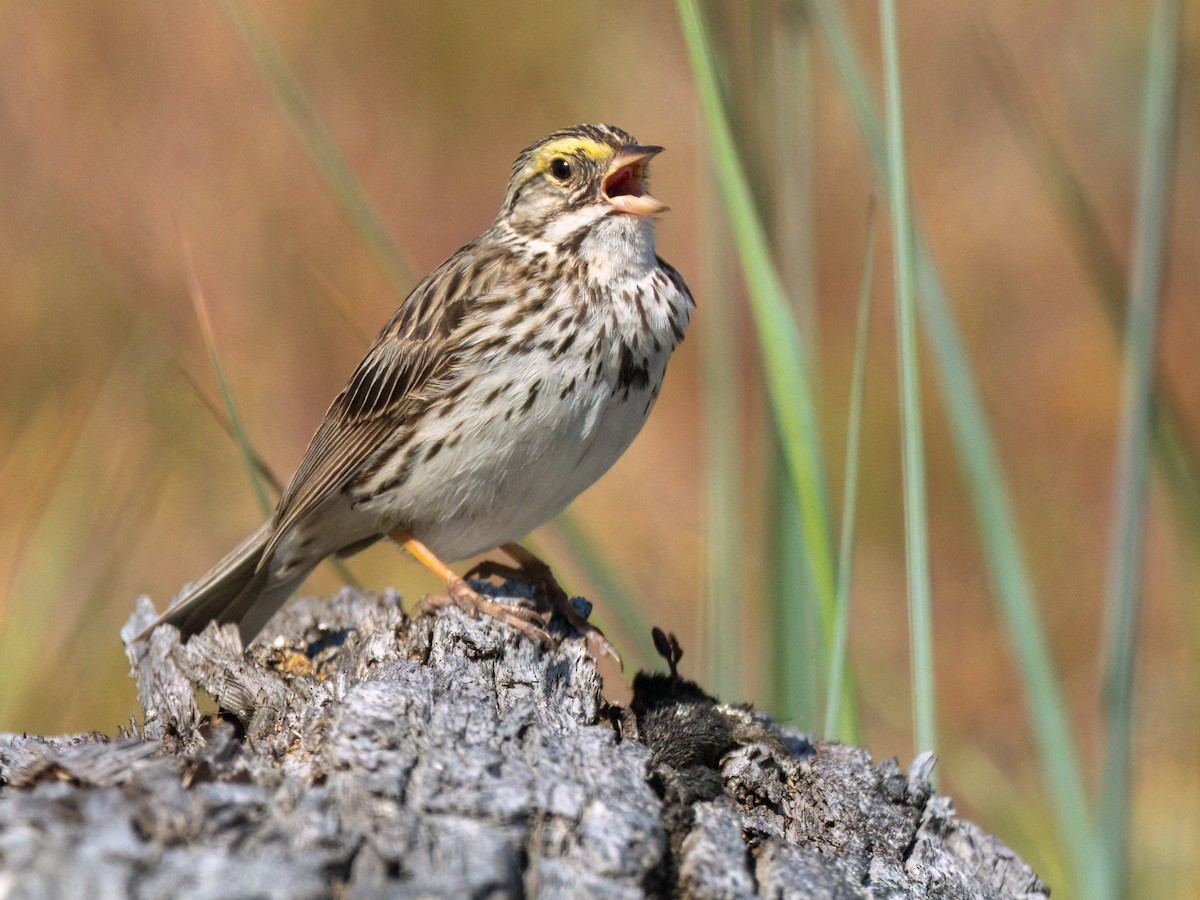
(532,570)
(527,621)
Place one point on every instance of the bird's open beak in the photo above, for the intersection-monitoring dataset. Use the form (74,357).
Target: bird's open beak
(624,185)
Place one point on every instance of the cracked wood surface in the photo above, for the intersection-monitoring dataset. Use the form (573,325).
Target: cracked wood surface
(360,753)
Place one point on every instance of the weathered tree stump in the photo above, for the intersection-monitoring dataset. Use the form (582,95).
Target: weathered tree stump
(360,753)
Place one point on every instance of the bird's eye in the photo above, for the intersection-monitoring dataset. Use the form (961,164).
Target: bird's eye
(560,168)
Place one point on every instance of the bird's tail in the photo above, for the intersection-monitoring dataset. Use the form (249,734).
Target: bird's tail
(239,589)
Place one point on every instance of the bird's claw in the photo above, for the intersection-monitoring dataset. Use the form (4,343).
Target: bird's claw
(529,622)
(525,620)
(535,572)
(598,644)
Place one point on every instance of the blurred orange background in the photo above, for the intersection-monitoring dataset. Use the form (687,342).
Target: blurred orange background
(131,128)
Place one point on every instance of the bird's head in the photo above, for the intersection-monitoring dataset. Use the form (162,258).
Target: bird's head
(575,177)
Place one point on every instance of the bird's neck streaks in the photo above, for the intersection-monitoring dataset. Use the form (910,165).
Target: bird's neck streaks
(609,287)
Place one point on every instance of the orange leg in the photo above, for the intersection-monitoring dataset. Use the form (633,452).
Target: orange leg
(461,595)
(535,571)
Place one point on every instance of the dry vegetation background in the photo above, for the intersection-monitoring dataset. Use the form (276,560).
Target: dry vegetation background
(130,128)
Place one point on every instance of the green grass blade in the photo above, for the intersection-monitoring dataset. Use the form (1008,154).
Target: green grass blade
(795,637)
(1058,753)
(320,144)
(782,143)
(1156,162)
(858,382)
(794,167)
(784,354)
(916,527)
(721,461)
(238,429)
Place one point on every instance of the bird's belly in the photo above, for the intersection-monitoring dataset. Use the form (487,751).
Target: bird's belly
(528,451)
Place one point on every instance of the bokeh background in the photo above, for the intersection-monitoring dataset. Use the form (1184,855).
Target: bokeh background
(135,134)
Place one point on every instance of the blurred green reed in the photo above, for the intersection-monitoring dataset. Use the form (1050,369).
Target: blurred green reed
(768,98)
(1151,221)
(787,372)
(916,526)
(858,387)
(781,177)
(723,459)
(1096,851)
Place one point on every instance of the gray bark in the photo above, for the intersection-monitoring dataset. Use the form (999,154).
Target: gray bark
(360,753)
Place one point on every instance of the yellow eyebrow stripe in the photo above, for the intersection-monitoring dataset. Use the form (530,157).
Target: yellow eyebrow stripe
(585,147)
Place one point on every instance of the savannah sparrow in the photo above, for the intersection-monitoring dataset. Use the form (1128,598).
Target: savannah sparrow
(506,383)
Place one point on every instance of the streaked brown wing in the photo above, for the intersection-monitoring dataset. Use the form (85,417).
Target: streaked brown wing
(346,437)
(414,351)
